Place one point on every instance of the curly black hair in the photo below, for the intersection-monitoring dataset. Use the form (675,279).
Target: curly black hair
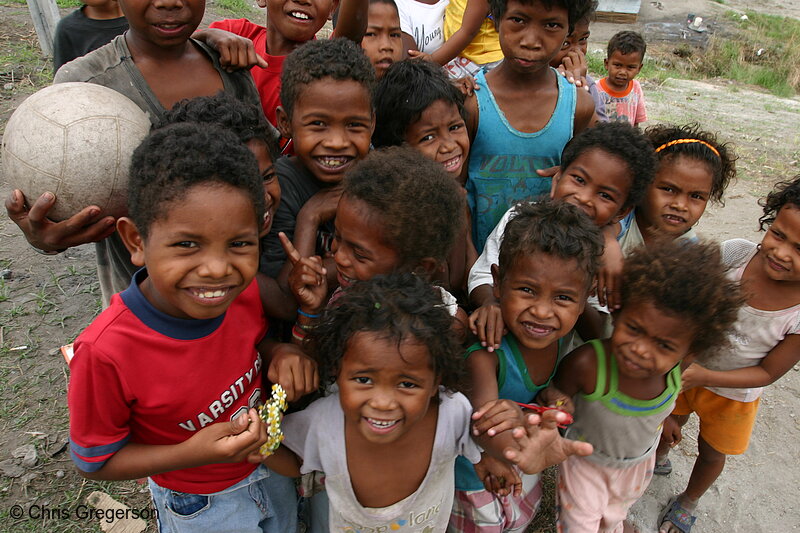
(627,42)
(399,307)
(245,119)
(624,141)
(340,59)
(175,158)
(555,228)
(406,90)
(686,280)
(785,192)
(421,209)
(576,9)
(722,166)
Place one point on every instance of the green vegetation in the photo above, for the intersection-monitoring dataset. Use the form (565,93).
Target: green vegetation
(240,8)
(68,3)
(767,53)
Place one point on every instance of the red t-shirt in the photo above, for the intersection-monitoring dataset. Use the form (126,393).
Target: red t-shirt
(139,375)
(268,80)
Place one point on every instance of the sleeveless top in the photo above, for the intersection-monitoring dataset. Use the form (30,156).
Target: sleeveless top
(623,430)
(503,160)
(513,383)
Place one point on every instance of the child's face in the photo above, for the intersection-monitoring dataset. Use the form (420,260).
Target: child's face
(541,297)
(272,188)
(622,68)
(297,21)
(780,246)
(648,342)
(359,248)
(441,134)
(678,196)
(577,41)
(331,127)
(163,24)
(597,183)
(531,35)
(383,41)
(202,254)
(384,388)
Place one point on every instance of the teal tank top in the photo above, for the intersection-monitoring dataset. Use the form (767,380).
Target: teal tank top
(503,161)
(513,383)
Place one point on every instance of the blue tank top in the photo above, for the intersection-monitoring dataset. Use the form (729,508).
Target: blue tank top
(503,161)
(513,383)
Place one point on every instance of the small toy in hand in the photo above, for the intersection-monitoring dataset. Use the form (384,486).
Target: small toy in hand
(270,413)
(541,409)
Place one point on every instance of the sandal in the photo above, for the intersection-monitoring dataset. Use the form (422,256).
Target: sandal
(663,468)
(675,514)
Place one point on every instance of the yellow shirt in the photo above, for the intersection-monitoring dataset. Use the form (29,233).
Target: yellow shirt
(485,47)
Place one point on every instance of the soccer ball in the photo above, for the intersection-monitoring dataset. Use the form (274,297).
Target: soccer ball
(76,141)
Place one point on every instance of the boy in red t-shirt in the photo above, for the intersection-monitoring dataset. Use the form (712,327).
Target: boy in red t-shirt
(164,383)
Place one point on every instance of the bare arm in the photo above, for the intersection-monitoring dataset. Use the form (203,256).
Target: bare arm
(484,392)
(474,15)
(223,442)
(352,22)
(584,112)
(777,362)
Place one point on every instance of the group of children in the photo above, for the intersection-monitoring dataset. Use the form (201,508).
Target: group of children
(342,272)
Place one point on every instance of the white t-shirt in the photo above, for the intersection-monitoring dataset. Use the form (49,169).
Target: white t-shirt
(316,434)
(424,22)
(756,331)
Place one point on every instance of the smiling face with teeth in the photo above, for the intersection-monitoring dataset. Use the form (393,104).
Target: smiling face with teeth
(441,134)
(293,22)
(541,297)
(385,389)
(331,126)
(676,199)
(201,255)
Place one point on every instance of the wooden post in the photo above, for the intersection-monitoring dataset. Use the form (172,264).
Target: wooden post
(45,17)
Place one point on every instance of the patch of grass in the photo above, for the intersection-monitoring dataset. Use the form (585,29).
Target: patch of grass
(239,8)
(766,53)
(68,3)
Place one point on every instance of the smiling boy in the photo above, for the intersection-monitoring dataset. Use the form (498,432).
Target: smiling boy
(165,382)
(327,111)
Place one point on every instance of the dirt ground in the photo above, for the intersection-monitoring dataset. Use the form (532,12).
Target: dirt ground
(46,301)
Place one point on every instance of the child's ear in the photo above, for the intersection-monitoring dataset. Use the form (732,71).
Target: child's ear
(496,282)
(554,183)
(428,266)
(334,7)
(605,63)
(132,238)
(622,214)
(284,124)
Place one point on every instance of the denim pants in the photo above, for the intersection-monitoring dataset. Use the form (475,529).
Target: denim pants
(263,502)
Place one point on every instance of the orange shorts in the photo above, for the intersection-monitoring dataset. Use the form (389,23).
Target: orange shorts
(725,424)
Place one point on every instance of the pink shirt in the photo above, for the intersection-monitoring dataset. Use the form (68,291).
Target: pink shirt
(623,106)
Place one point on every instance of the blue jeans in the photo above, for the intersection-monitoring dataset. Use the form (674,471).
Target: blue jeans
(263,502)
